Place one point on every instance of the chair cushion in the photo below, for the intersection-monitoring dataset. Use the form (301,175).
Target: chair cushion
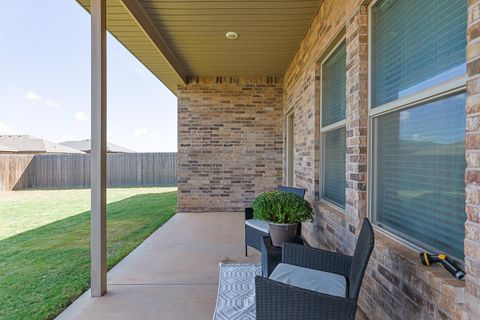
(310,279)
(257,224)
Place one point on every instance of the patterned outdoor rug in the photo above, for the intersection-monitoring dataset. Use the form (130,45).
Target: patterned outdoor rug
(236,292)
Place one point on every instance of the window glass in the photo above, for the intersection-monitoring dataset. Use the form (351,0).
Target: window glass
(420,165)
(416,45)
(334,166)
(334,86)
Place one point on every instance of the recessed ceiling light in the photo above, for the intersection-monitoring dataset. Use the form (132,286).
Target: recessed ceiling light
(231,35)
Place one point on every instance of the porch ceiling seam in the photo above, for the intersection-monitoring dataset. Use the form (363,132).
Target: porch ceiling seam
(137,12)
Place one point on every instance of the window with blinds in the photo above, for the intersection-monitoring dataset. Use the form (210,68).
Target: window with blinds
(334,77)
(334,167)
(416,45)
(418,158)
(333,126)
(420,162)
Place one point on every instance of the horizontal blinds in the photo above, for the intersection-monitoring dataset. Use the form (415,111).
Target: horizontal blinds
(420,167)
(416,45)
(334,166)
(334,77)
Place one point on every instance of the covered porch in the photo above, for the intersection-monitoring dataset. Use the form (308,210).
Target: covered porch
(311,94)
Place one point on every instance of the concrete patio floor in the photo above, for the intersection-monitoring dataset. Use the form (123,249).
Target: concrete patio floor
(173,274)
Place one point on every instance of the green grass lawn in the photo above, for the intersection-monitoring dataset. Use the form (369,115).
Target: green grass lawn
(45,243)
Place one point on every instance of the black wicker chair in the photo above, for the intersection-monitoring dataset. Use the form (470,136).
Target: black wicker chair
(255,230)
(279,301)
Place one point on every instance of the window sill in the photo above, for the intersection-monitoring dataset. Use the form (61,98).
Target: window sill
(331,207)
(434,276)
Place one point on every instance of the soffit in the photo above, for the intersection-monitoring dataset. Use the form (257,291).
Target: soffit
(193,31)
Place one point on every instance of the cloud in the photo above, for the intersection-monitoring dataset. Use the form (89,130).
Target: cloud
(140,132)
(32,96)
(7,129)
(81,116)
(155,135)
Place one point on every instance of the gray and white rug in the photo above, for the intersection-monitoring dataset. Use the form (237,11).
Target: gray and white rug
(236,292)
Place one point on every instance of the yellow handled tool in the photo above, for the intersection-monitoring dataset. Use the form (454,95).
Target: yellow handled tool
(429,259)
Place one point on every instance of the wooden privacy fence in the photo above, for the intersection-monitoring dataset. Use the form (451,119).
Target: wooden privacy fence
(57,171)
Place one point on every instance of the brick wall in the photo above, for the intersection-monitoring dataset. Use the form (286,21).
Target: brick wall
(472,176)
(396,285)
(230,143)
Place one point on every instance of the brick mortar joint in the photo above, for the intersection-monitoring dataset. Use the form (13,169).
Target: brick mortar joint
(473,22)
(473,114)
(474,40)
(473,77)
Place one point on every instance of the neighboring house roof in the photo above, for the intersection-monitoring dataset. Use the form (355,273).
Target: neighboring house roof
(26,143)
(7,149)
(84,145)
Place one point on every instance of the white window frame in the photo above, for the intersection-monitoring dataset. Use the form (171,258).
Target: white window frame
(443,90)
(328,128)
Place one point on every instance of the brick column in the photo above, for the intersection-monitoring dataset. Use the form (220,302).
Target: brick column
(356,118)
(472,175)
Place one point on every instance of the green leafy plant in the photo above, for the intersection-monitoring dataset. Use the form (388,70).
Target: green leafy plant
(281,207)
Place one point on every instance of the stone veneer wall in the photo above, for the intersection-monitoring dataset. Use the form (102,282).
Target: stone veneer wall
(396,285)
(230,143)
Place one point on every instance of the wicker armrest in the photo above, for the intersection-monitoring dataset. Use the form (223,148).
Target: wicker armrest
(248,213)
(317,259)
(271,256)
(279,301)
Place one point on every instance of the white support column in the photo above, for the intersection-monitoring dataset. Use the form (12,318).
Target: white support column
(98,149)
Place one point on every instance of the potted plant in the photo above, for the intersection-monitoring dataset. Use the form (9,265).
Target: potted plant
(282,211)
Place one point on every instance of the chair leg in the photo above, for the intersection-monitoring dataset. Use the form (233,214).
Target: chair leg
(246,251)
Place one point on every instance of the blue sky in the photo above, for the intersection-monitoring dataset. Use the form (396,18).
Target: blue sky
(45,80)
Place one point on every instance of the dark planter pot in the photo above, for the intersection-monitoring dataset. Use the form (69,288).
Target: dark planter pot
(282,232)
